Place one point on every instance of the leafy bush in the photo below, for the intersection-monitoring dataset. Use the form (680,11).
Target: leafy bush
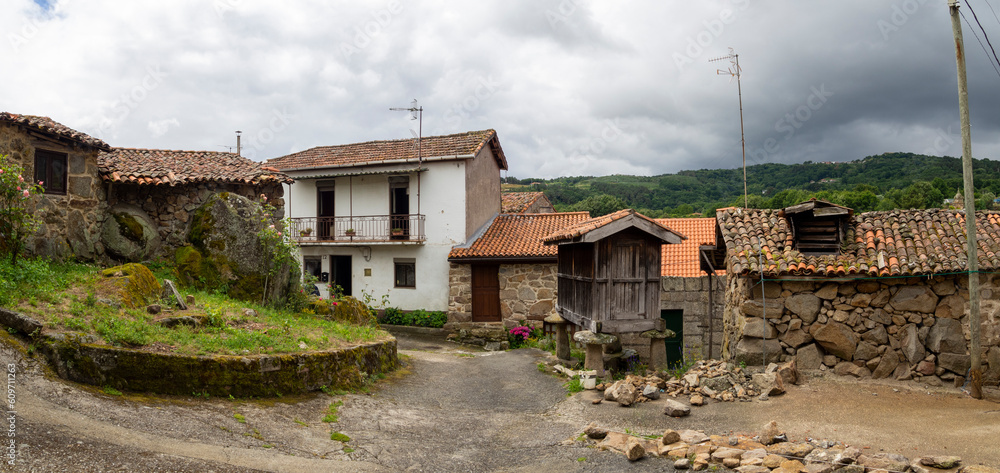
(416,318)
(16,221)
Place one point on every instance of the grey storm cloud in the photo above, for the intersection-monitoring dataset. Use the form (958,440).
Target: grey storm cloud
(573,87)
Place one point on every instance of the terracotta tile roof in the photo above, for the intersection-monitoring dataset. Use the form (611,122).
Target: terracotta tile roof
(519,236)
(887,243)
(588,226)
(391,151)
(52,127)
(517,202)
(684,259)
(158,166)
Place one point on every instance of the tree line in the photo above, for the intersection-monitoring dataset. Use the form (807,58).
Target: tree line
(883,182)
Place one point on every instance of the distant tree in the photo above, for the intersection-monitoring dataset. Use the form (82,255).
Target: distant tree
(599,205)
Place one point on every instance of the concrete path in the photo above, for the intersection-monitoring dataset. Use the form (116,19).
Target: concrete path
(452,409)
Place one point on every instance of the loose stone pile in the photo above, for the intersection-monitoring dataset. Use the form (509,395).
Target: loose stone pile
(707,379)
(768,453)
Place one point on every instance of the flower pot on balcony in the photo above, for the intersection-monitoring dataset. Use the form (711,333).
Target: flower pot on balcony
(397,232)
(305,232)
(350,232)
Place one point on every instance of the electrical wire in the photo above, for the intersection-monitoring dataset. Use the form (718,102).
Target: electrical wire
(975,17)
(992,10)
(992,63)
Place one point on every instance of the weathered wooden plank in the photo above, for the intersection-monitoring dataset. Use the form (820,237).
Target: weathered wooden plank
(829,211)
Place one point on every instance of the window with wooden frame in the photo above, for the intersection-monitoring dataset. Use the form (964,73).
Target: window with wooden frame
(406,273)
(51,168)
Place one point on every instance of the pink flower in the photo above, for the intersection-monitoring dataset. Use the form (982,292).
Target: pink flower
(272,226)
(334,303)
(279,233)
(41,183)
(26,193)
(20,178)
(1,170)
(18,187)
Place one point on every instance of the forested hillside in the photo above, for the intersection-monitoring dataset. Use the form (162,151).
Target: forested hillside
(883,182)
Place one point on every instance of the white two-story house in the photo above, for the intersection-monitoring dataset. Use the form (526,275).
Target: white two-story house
(381,216)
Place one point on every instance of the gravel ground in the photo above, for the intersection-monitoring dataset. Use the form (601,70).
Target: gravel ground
(452,409)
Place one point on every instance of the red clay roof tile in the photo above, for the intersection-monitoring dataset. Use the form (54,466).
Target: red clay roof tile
(684,259)
(457,146)
(168,167)
(896,243)
(588,226)
(517,202)
(515,236)
(50,126)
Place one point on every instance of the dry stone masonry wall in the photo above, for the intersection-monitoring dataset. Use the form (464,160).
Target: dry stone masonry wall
(902,328)
(71,223)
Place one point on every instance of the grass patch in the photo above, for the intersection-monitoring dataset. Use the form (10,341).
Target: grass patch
(339,437)
(239,418)
(75,297)
(297,421)
(573,386)
(332,412)
(111,391)
(348,449)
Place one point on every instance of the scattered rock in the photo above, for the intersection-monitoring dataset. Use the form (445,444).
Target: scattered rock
(153,309)
(769,432)
(884,461)
(769,383)
(697,400)
(693,437)
(670,436)
(189,320)
(249,312)
(651,392)
(595,432)
(682,464)
(190,299)
(596,401)
(941,461)
(634,450)
(791,449)
(676,409)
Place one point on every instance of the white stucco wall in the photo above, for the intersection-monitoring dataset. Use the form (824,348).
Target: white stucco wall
(442,198)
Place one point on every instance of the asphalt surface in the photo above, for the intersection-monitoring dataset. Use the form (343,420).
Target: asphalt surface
(453,409)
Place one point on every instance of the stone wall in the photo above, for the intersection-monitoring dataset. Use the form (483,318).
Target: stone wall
(169,208)
(71,223)
(527,292)
(902,328)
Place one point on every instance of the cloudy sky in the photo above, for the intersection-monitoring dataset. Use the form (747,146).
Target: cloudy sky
(573,87)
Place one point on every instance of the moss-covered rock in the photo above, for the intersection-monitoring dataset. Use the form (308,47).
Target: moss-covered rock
(226,252)
(129,234)
(351,310)
(135,284)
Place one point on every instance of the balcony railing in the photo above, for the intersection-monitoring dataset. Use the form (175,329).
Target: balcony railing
(359,229)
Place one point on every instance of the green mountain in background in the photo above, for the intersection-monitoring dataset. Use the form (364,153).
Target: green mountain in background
(884,182)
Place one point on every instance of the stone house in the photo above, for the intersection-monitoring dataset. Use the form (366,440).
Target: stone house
(881,294)
(525,203)
(693,289)
(95,194)
(506,274)
(160,189)
(72,208)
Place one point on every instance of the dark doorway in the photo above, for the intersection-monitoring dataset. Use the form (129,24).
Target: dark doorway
(399,207)
(340,272)
(675,346)
(325,213)
(485,293)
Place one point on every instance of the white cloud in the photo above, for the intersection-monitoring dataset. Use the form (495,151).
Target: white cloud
(547,75)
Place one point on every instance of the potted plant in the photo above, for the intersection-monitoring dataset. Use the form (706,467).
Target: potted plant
(349,232)
(397,231)
(306,232)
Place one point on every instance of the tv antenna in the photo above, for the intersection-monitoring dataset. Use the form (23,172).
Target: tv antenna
(734,71)
(416,113)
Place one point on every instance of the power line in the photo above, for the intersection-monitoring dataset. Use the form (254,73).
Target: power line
(974,17)
(992,10)
(980,43)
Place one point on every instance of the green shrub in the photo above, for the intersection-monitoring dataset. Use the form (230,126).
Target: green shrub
(416,318)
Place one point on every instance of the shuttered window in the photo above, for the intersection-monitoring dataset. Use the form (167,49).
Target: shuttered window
(51,170)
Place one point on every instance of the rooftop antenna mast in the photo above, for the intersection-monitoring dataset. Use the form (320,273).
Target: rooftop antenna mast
(416,113)
(238,145)
(734,71)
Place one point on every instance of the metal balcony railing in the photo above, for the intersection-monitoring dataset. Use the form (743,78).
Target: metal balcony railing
(359,229)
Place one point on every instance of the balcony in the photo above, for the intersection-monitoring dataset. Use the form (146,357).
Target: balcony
(367,229)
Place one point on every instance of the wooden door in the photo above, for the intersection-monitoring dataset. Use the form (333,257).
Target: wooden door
(486,293)
(628,280)
(325,213)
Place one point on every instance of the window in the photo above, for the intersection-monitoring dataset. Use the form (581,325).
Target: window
(406,273)
(50,168)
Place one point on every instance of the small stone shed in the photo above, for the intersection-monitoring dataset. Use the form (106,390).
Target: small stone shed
(72,209)
(160,189)
(880,294)
(609,272)
(506,274)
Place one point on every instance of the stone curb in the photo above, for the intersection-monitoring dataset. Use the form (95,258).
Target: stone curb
(75,358)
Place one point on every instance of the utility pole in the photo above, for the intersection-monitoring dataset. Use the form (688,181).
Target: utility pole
(975,374)
(736,72)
